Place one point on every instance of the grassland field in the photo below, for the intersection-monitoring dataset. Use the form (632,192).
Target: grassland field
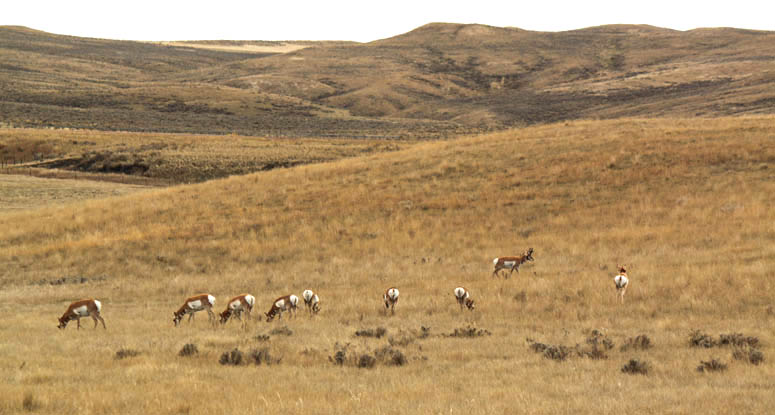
(686,203)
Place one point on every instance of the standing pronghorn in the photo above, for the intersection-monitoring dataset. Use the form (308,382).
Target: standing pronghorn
(192,305)
(311,301)
(391,298)
(511,262)
(464,298)
(238,304)
(284,303)
(83,308)
(621,282)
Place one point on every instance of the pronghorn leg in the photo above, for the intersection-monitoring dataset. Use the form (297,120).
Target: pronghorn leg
(78,320)
(102,320)
(210,314)
(190,316)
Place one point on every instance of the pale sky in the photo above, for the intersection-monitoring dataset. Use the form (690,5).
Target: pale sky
(361,20)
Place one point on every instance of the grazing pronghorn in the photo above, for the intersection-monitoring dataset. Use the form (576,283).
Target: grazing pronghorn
(391,298)
(192,305)
(284,303)
(464,298)
(311,301)
(511,262)
(238,304)
(621,282)
(83,308)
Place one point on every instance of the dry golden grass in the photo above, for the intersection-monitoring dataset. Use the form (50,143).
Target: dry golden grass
(686,203)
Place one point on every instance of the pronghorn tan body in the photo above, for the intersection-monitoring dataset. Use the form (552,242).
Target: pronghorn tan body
(84,308)
(311,301)
(464,298)
(192,305)
(511,263)
(282,304)
(238,304)
(391,298)
(621,281)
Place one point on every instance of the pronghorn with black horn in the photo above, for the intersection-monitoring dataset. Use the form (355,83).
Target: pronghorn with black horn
(391,298)
(282,304)
(464,298)
(83,308)
(311,301)
(238,304)
(511,263)
(192,305)
(621,282)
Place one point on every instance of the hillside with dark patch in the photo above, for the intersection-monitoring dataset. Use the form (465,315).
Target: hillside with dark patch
(439,80)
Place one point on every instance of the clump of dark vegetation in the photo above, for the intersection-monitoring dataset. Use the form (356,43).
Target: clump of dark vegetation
(70,280)
(262,337)
(376,332)
(520,297)
(596,346)
(347,355)
(367,361)
(29,403)
(738,340)
(189,349)
(700,339)
(748,354)
(124,353)
(258,357)
(234,358)
(469,332)
(639,342)
(405,338)
(281,331)
(262,356)
(636,367)
(712,365)
(390,356)
(549,351)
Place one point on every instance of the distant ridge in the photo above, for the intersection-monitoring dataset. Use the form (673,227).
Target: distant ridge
(438,80)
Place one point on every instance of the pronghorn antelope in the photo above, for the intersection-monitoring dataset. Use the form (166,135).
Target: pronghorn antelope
(192,305)
(391,298)
(311,301)
(238,304)
(284,303)
(621,282)
(83,308)
(464,298)
(511,262)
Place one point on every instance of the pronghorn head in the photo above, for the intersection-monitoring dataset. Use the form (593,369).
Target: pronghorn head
(269,317)
(225,315)
(529,255)
(470,304)
(63,322)
(176,318)
(622,269)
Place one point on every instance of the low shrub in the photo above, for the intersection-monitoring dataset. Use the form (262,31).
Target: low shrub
(636,367)
(376,333)
(124,353)
(639,342)
(189,349)
(712,366)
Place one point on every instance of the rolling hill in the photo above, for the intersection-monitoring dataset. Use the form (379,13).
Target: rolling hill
(439,80)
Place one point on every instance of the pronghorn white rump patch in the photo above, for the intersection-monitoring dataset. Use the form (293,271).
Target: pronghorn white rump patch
(99,305)
(211,299)
(621,281)
(250,300)
(294,300)
(461,292)
(393,294)
(307,295)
